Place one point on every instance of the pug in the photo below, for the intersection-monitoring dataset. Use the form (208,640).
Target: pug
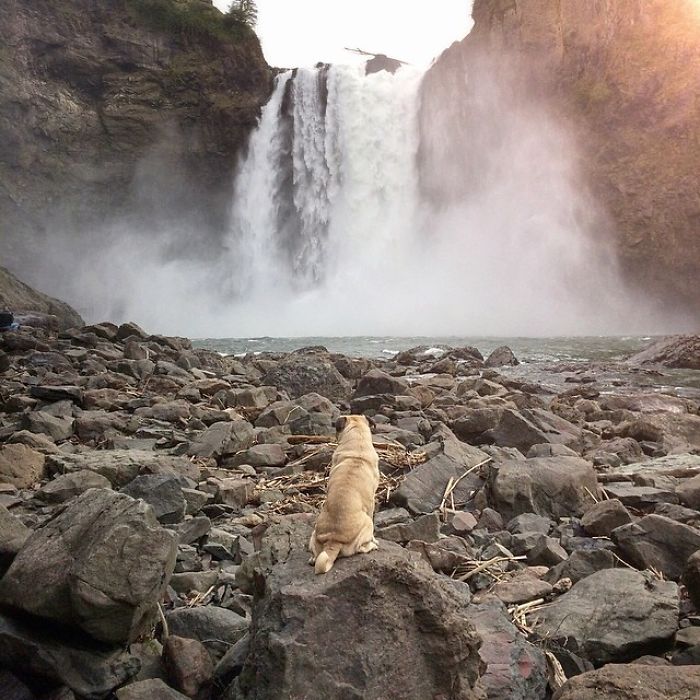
(345,524)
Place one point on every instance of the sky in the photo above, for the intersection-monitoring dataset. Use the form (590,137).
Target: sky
(303,32)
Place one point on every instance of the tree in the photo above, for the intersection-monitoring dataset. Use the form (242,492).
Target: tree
(244,11)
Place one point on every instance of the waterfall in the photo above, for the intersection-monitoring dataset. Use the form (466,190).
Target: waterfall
(369,205)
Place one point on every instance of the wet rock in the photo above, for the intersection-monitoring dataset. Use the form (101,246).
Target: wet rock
(67,486)
(188,666)
(603,517)
(633,681)
(501,357)
(21,465)
(378,382)
(658,542)
(101,565)
(426,529)
(416,618)
(612,615)
(44,653)
(122,466)
(532,427)
(515,669)
(553,487)
(216,628)
(678,351)
(162,492)
(305,373)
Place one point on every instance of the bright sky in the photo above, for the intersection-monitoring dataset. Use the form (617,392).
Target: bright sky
(304,32)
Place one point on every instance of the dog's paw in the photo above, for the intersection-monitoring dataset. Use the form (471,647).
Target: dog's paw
(312,560)
(368,547)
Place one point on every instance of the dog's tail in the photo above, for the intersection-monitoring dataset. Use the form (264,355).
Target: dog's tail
(326,559)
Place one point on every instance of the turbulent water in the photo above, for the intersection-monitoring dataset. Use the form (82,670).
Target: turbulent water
(332,232)
(371,205)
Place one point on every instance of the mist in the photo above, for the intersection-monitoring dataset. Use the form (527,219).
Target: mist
(376,205)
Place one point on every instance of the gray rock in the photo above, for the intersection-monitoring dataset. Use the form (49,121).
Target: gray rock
(689,492)
(691,578)
(501,357)
(303,373)
(122,466)
(37,650)
(189,581)
(21,465)
(58,429)
(581,563)
(422,489)
(553,487)
(612,615)
(418,620)
(532,427)
(13,534)
(633,496)
(547,552)
(193,529)
(515,669)
(603,517)
(211,442)
(268,455)
(633,682)
(528,523)
(216,628)
(152,689)
(67,486)
(162,492)
(425,528)
(658,542)
(377,382)
(188,665)
(678,351)
(101,565)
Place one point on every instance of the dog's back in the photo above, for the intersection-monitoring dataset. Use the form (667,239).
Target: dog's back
(344,525)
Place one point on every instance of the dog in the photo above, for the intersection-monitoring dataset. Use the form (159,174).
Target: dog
(345,525)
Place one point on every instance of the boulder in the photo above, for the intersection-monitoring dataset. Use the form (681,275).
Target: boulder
(13,534)
(612,615)
(151,689)
(603,517)
(691,578)
(188,665)
(532,427)
(501,357)
(677,351)
(417,638)
(216,628)
(553,487)
(689,493)
(378,382)
(213,441)
(122,466)
(300,374)
(58,429)
(67,486)
(426,529)
(515,669)
(21,465)
(101,565)
(658,542)
(633,682)
(162,492)
(581,563)
(38,650)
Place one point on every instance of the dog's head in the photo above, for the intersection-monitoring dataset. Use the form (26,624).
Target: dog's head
(345,422)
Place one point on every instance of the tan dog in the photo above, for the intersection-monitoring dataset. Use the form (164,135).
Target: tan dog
(345,525)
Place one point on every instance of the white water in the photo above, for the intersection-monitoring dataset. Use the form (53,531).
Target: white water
(367,254)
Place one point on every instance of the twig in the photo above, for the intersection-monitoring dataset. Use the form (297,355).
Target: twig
(164,622)
(452,483)
(485,565)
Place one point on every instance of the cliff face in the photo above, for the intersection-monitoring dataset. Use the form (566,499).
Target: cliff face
(624,77)
(120,108)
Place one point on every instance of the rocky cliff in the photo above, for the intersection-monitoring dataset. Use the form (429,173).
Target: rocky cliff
(122,107)
(624,76)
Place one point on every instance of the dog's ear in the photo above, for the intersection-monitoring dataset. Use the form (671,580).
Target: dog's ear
(340,424)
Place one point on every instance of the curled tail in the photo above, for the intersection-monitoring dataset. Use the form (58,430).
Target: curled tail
(326,559)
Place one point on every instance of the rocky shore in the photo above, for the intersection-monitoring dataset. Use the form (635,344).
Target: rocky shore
(538,539)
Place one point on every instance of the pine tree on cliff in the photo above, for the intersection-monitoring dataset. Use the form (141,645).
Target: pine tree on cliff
(244,11)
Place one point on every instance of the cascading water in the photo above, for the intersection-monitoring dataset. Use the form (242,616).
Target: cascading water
(337,229)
